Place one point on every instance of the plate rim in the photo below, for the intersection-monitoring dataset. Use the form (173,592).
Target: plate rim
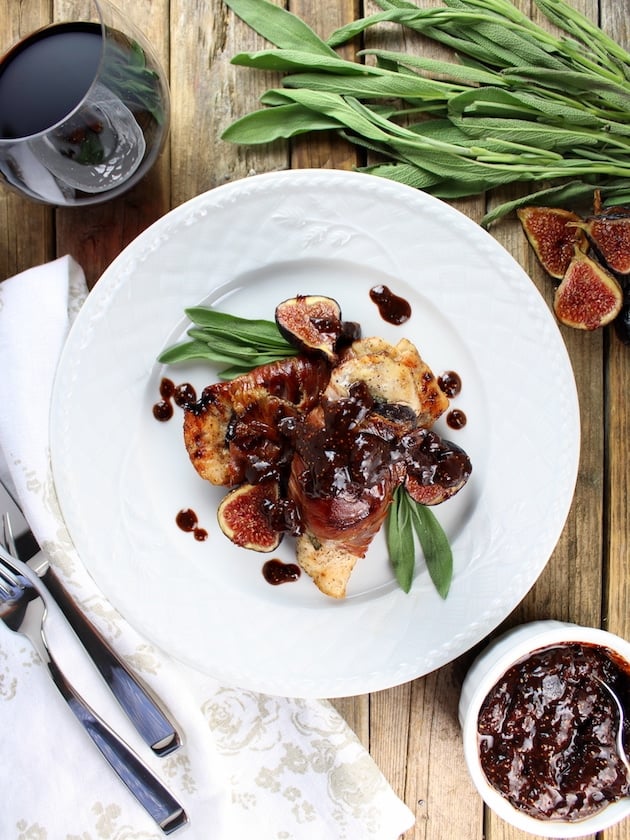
(233,190)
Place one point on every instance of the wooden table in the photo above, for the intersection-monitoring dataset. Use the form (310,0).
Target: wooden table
(411,730)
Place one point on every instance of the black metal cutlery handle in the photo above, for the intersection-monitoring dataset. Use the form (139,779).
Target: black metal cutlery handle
(141,705)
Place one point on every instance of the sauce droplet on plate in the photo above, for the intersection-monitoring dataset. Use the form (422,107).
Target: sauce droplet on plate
(276,572)
(450,383)
(187,520)
(456,419)
(181,395)
(391,307)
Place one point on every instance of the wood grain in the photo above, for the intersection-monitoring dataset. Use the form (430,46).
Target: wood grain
(26,228)
(616,408)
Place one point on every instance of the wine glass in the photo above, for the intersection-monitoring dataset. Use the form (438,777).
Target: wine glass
(84,108)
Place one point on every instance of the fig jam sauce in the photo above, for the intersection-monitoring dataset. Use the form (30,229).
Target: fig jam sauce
(547,732)
(450,383)
(187,521)
(391,307)
(276,572)
(170,393)
(456,419)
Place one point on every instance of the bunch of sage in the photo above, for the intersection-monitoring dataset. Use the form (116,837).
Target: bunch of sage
(519,105)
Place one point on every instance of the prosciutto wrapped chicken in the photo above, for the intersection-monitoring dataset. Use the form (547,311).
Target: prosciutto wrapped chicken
(323,441)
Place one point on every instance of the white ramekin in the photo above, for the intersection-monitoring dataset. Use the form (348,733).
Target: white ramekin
(484,673)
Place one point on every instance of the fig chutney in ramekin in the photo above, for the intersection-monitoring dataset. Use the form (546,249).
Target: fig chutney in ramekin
(540,728)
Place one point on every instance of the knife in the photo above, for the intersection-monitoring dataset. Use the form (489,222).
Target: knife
(144,709)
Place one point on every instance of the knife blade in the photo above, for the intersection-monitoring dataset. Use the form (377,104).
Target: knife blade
(142,706)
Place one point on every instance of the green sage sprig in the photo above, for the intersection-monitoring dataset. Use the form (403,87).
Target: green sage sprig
(520,104)
(406,517)
(240,343)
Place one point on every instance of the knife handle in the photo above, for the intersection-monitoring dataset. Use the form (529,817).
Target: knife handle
(141,705)
(149,791)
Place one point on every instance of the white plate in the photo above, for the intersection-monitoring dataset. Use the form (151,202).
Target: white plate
(122,476)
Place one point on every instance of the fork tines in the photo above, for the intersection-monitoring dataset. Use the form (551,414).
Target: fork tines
(9,580)
(7,585)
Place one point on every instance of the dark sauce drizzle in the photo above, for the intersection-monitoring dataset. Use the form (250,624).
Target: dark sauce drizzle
(171,394)
(456,419)
(187,521)
(276,572)
(450,383)
(392,308)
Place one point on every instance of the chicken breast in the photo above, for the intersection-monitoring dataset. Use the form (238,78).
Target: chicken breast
(338,440)
(236,423)
(394,374)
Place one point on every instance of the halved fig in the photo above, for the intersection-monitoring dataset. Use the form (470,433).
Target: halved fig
(553,233)
(312,323)
(609,233)
(436,468)
(243,516)
(589,296)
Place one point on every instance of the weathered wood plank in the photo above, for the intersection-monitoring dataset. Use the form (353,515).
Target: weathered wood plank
(26,228)
(615,18)
(209,93)
(559,593)
(325,151)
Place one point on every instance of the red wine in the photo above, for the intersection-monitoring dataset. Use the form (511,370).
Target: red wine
(46,76)
(83,114)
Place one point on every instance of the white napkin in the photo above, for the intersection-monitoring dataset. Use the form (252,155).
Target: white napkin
(251,765)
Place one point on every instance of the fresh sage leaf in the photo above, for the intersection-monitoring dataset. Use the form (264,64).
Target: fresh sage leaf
(184,352)
(278,123)
(406,517)
(385,85)
(437,551)
(400,542)
(290,60)
(522,103)
(279,26)
(220,338)
(457,72)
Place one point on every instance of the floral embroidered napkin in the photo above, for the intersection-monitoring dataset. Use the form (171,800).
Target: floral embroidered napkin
(251,765)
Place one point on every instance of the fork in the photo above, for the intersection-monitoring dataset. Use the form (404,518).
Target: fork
(23,610)
(146,712)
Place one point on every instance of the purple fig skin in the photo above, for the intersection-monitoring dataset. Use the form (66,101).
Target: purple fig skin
(312,323)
